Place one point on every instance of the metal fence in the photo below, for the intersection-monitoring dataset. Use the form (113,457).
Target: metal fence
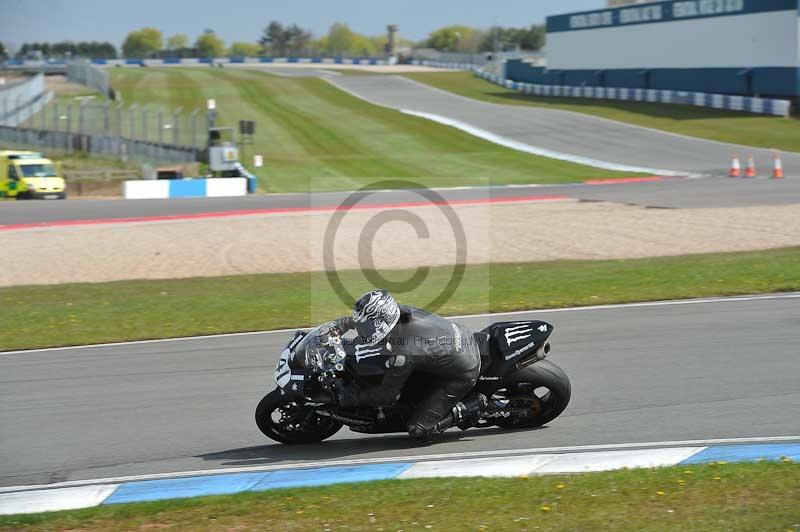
(92,124)
(146,123)
(122,147)
(89,75)
(20,100)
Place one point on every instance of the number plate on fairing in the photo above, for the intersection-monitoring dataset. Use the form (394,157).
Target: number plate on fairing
(283,374)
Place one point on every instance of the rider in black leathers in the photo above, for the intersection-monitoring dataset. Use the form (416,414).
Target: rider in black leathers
(414,340)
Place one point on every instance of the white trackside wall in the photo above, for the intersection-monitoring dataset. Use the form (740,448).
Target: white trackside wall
(758,39)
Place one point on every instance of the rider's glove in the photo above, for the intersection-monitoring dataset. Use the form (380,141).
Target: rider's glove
(342,325)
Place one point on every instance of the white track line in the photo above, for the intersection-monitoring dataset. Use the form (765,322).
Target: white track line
(595,118)
(412,458)
(668,303)
(511,143)
(536,150)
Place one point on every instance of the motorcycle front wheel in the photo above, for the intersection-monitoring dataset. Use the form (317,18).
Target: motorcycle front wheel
(542,391)
(290,422)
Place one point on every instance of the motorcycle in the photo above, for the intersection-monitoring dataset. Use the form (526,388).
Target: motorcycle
(523,389)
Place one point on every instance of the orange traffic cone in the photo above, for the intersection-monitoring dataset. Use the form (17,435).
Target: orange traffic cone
(777,173)
(750,171)
(736,167)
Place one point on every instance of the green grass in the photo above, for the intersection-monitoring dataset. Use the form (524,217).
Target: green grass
(132,310)
(743,497)
(316,137)
(725,126)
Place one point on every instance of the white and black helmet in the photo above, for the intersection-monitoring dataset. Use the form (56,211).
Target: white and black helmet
(375,314)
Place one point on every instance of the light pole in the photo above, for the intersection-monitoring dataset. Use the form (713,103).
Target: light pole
(211,105)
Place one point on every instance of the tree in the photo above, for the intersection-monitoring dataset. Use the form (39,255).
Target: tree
(453,39)
(107,51)
(209,45)
(2,50)
(291,40)
(177,42)
(273,39)
(320,46)
(244,49)
(340,39)
(142,43)
(531,38)
(380,43)
(362,46)
(89,49)
(297,40)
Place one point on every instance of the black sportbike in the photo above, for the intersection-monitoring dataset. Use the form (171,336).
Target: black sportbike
(523,389)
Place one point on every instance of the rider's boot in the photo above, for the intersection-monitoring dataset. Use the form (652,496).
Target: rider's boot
(474,408)
(465,414)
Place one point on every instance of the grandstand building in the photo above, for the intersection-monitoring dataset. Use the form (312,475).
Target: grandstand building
(734,47)
(615,3)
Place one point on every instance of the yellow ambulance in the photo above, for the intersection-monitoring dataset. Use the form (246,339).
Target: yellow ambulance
(29,175)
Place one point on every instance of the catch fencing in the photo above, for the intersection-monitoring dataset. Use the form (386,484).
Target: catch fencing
(121,147)
(20,100)
(89,75)
(92,124)
(147,123)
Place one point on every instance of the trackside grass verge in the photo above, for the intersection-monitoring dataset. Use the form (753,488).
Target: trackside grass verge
(713,124)
(761,496)
(315,137)
(73,314)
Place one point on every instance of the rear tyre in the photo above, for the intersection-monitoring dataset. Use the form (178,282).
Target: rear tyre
(289,422)
(542,389)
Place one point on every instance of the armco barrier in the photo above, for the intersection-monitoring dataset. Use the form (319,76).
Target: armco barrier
(133,61)
(766,106)
(185,188)
(697,99)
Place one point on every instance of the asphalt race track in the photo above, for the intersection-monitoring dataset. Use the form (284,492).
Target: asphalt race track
(667,193)
(561,131)
(640,373)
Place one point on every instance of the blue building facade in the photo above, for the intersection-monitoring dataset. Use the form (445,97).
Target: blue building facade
(735,47)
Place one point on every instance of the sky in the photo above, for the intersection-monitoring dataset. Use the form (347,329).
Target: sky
(243,20)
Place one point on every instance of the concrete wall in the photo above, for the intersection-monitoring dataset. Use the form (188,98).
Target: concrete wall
(184,188)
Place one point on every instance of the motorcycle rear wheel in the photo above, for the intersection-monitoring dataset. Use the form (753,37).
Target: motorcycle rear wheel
(544,388)
(292,423)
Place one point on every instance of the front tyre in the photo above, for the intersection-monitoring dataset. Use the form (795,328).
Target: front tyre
(290,422)
(537,395)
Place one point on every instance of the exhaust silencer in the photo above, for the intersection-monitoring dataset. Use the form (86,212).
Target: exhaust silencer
(536,356)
